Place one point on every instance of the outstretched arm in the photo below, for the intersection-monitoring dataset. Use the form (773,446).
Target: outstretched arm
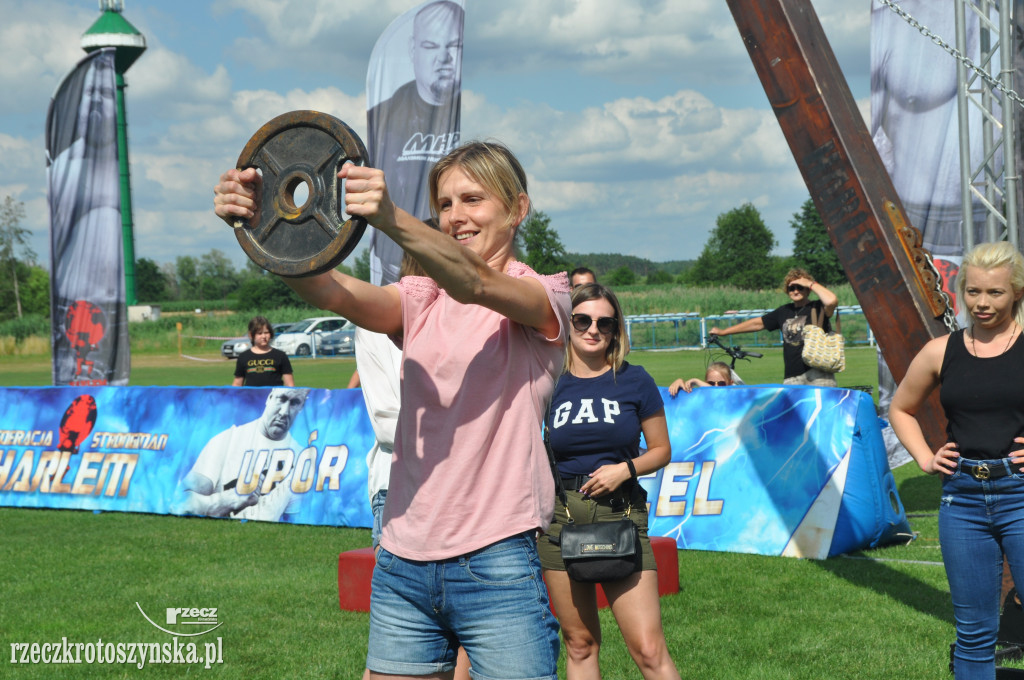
(237,197)
(748,326)
(464,274)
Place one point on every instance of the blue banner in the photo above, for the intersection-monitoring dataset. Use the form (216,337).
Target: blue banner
(796,471)
(133,449)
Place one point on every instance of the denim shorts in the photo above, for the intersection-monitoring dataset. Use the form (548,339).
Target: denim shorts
(377,508)
(492,602)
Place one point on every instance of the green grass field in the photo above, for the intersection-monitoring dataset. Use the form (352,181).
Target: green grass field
(883,614)
(334,372)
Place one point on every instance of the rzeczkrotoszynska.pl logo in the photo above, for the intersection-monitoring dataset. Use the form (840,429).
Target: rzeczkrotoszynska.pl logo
(189,617)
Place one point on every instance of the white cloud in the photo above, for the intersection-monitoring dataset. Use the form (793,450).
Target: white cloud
(638,122)
(41,43)
(174,79)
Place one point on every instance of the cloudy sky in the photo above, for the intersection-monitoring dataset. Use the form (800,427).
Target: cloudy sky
(638,121)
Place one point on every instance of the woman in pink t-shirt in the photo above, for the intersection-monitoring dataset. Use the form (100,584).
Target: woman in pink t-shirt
(482,339)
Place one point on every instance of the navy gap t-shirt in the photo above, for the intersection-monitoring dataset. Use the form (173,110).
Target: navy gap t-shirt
(596,421)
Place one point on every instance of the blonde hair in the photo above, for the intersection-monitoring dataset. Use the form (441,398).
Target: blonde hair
(794,274)
(993,256)
(618,347)
(490,164)
(719,367)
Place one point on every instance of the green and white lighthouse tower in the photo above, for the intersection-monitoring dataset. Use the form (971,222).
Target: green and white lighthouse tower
(113,30)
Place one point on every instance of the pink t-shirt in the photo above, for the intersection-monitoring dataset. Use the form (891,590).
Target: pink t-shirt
(470,467)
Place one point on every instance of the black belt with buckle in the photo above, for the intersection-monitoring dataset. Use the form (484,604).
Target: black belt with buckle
(984,471)
(574,482)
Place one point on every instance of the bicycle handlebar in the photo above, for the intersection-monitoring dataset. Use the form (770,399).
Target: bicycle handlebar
(734,352)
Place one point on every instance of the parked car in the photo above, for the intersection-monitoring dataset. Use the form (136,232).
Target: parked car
(232,348)
(342,341)
(298,340)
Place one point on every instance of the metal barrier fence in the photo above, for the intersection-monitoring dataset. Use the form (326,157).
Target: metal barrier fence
(687,330)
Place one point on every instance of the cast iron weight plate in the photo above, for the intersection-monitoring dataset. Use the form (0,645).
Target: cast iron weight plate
(301,240)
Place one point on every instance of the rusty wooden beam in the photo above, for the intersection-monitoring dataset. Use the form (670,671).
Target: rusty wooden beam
(880,251)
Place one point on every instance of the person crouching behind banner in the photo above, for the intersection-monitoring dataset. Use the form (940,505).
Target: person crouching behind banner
(718,374)
(470,486)
(979,373)
(262,365)
(600,406)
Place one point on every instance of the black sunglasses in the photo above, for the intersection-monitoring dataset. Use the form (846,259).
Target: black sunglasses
(793,287)
(717,383)
(605,324)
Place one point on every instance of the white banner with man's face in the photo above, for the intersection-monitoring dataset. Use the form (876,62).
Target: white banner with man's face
(413,95)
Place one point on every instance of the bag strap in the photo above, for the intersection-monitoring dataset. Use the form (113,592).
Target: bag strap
(560,488)
(814,316)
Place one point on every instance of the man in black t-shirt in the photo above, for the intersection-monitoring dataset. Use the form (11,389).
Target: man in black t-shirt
(790,319)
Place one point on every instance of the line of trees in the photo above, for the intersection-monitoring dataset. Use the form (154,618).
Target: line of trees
(738,252)
(24,285)
(213,277)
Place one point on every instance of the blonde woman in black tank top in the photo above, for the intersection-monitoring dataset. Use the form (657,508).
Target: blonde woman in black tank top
(980,373)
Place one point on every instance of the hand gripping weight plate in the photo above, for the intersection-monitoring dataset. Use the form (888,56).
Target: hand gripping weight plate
(296,148)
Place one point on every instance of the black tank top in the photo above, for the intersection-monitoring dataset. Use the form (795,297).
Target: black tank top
(983,399)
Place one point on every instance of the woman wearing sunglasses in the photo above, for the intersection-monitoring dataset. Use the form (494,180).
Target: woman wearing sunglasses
(600,406)
(790,319)
(718,374)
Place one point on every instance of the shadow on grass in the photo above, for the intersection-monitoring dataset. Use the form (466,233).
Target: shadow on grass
(920,493)
(900,587)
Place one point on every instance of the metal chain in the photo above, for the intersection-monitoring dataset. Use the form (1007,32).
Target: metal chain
(953,52)
(948,317)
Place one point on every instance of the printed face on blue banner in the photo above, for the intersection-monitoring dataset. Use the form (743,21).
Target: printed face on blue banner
(413,95)
(436,51)
(282,406)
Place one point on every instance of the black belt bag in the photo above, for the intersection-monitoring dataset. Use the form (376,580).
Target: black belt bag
(601,551)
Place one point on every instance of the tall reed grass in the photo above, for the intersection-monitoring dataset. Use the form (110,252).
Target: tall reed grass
(708,301)
(161,336)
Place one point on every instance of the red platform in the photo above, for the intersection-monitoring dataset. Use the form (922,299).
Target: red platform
(355,571)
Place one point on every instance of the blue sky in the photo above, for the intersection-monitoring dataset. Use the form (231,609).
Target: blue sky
(638,121)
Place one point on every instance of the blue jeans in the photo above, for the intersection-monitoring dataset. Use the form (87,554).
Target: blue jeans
(491,601)
(979,522)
